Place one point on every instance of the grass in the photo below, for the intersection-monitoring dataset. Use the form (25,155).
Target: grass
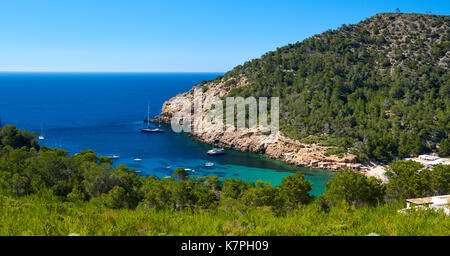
(48,215)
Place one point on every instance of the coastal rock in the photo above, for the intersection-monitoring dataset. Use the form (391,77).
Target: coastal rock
(283,148)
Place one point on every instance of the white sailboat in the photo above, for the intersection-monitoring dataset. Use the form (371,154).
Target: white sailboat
(41,135)
(149,129)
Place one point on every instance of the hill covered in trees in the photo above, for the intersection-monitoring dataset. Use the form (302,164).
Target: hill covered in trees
(376,89)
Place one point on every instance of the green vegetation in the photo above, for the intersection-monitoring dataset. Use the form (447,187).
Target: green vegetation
(379,88)
(45,191)
(354,188)
(45,214)
(407,180)
(444,148)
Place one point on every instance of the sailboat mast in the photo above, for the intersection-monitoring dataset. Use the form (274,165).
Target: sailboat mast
(148,115)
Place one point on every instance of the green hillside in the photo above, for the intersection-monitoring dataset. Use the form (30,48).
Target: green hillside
(377,88)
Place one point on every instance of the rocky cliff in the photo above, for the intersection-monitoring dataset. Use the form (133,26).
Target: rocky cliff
(371,91)
(285,149)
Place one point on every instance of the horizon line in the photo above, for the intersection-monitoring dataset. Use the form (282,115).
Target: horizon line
(46,71)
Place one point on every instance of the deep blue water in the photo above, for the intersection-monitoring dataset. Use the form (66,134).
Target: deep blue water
(104,112)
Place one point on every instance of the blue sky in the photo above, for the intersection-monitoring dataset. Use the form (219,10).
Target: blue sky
(168,36)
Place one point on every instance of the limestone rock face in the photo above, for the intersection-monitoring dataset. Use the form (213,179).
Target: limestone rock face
(274,146)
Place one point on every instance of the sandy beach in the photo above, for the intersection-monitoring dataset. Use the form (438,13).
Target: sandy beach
(376,170)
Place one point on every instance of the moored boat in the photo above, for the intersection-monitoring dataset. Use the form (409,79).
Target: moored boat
(216,151)
(41,135)
(149,129)
(152,130)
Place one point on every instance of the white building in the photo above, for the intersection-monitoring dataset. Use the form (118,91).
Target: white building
(434,202)
(429,161)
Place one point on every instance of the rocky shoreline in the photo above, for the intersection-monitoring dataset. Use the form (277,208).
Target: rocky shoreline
(284,149)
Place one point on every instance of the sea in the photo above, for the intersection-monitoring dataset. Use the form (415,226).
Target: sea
(104,112)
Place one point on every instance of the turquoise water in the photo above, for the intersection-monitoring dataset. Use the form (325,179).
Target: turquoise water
(104,112)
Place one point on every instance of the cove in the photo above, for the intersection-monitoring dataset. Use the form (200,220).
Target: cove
(104,112)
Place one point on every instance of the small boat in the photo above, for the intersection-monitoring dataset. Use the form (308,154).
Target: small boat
(167,177)
(41,136)
(137,159)
(188,170)
(216,151)
(114,157)
(168,167)
(209,164)
(149,129)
